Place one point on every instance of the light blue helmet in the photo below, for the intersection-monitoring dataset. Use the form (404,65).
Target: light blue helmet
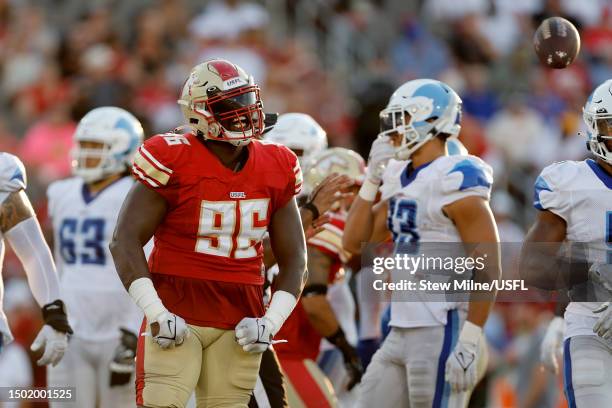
(456,148)
(119,133)
(597,114)
(419,110)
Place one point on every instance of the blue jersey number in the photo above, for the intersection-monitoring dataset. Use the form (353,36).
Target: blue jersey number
(92,232)
(402,213)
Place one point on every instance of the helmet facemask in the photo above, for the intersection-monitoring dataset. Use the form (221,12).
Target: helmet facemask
(234,116)
(397,120)
(600,141)
(93,161)
(599,125)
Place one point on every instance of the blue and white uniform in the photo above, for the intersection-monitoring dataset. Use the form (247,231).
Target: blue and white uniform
(96,301)
(408,369)
(580,192)
(12,179)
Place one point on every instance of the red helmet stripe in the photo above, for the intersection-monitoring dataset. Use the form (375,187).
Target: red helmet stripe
(224,69)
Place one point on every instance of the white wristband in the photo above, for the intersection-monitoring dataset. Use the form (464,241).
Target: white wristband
(368,190)
(470,333)
(281,306)
(144,294)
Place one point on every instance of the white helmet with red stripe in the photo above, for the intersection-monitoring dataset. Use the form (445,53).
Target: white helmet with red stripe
(220,101)
(334,160)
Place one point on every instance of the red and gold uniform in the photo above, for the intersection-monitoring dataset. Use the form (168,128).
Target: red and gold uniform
(307,385)
(206,264)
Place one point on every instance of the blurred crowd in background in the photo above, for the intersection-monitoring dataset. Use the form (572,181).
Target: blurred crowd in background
(337,60)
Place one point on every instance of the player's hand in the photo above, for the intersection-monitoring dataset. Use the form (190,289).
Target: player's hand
(603,326)
(551,348)
(353,366)
(254,334)
(52,339)
(330,190)
(169,330)
(461,365)
(123,364)
(381,152)
(317,226)
(51,344)
(601,274)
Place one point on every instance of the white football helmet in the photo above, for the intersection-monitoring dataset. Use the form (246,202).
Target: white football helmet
(454,147)
(119,132)
(300,133)
(597,114)
(418,111)
(334,160)
(220,101)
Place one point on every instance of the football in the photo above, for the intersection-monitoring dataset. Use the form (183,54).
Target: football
(556,42)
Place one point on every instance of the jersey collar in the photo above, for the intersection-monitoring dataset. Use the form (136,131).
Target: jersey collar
(87,195)
(603,175)
(409,174)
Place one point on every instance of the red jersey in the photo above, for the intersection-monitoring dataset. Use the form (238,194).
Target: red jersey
(207,257)
(303,340)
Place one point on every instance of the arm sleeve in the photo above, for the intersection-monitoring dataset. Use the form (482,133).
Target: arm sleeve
(467,176)
(12,175)
(548,194)
(26,239)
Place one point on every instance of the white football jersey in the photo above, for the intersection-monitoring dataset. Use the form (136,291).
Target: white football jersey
(12,178)
(415,203)
(96,301)
(580,192)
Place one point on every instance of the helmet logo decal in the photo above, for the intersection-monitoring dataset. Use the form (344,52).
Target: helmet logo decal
(421,109)
(227,72)
(224,69)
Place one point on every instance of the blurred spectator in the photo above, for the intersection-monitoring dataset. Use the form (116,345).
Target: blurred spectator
(469,44)
(227,19)
(504,208)
(517,131)
(478,98)
(417,53)
(46,146)
(535,387)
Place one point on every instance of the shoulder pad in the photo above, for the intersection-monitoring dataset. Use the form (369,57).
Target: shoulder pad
(156,158)
(12,173)
(550,185)
(391,177)
(461,173)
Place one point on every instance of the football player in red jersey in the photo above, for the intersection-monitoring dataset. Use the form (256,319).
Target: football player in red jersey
(314,318)
(208,197)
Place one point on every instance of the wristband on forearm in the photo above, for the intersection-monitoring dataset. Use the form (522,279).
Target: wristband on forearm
(368,190)
(339,340)
(312,208)
(145,296)
(281,306)
(54,315)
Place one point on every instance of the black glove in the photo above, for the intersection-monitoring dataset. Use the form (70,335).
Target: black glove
(123,364)
(270,120)
(349,355)
(54,315)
